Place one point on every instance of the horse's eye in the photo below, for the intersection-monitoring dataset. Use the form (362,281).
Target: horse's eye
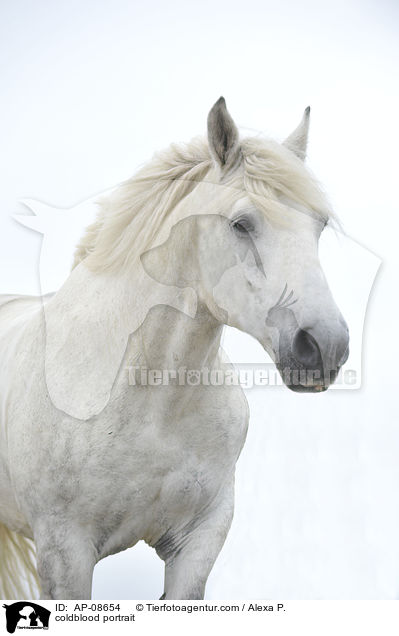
(242,226)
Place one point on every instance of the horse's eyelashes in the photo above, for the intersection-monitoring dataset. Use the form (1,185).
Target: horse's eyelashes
(239,227)
(242,226)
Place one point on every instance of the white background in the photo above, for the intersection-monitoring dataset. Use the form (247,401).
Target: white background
(89,90)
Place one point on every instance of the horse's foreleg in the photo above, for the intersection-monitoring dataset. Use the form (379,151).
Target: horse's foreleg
(191,558)
(65,562)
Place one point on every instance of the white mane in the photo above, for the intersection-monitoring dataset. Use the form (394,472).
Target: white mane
(130,218)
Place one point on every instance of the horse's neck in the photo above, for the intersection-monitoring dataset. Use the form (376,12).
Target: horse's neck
(167,327)
(170,339)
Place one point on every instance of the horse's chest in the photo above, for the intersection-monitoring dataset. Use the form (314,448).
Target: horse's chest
(178,460)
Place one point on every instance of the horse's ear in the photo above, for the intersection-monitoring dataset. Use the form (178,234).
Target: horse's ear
(223,135)
(297,141)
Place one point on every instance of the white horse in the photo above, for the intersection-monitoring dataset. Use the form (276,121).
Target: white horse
(94,458)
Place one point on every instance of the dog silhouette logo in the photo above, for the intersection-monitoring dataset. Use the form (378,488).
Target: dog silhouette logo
(26,615)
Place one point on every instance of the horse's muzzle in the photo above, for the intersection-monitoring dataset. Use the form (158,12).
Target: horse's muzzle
(302,367)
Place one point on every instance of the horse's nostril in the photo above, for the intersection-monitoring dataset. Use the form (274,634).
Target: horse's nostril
(306,349)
